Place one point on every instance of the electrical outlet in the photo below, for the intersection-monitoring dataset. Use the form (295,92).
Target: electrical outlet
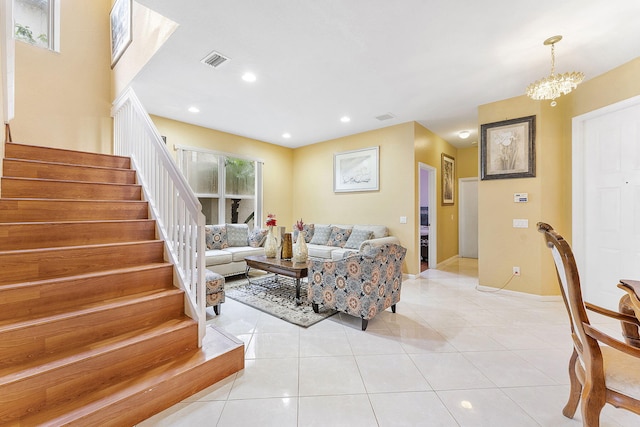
(516,271)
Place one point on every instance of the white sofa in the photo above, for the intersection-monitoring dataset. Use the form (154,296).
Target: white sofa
(332,241)
(228,244)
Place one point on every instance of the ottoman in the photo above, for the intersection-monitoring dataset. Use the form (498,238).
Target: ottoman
(215,290)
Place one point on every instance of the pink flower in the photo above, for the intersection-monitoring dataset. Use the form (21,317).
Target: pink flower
(300,225)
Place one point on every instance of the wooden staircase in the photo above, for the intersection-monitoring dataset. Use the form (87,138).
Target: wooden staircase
(92,329)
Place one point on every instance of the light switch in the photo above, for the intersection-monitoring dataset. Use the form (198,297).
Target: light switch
(403,220)
(520,223)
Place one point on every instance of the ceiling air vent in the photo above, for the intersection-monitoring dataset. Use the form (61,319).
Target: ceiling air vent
(214,59)
(384,117)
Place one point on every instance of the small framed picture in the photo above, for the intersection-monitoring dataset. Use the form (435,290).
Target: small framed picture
(356,170)
(448,173)
(121,23)
(507,149)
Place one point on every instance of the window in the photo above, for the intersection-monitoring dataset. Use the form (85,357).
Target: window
(227,186)
(36,22)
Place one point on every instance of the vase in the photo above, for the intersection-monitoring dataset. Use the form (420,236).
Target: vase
(287,246)
(300,250)
(271,244)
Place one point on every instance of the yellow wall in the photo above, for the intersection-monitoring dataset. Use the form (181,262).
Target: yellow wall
(277,174)
(500,245)
(467,162)
(315,202)
(428,148)
(64,99)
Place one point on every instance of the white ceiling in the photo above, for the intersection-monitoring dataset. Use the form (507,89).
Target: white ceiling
(428,61)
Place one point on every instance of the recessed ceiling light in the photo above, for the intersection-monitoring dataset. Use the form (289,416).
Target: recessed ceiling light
(194,110)
(249,77)
(345,119)
(286,135)
(464,134)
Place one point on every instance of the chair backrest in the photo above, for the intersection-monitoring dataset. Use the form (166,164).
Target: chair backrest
(569,280)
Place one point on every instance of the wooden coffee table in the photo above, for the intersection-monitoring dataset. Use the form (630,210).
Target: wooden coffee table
(284,267)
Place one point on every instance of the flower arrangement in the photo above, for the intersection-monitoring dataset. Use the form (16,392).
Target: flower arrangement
(271,220)
(299,225)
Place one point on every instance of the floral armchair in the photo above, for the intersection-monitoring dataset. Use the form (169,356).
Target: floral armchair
(361,284)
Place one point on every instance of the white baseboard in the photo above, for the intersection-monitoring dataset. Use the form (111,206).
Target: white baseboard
(543,298)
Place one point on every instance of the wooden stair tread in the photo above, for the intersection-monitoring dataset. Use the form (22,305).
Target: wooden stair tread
(221,355)
(73,165)
(36,264)
(16,150)
(82,310)
(70,248)
(68,181)
(53,361)
(93,274)
(66,189)
(71,222)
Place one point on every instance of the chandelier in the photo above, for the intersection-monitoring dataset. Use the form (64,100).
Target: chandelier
(556,84)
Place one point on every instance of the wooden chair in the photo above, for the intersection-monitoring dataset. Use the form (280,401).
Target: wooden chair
(598,373)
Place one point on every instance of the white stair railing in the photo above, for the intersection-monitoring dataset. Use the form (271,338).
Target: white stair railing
(172,203)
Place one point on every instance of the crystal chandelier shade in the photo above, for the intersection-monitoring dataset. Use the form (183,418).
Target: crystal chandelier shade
(555,85)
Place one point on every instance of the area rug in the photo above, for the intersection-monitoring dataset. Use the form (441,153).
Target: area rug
(276,296)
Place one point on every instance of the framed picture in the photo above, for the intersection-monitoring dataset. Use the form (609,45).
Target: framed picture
(121,22)
(507,149)
(448,172)
(356,170)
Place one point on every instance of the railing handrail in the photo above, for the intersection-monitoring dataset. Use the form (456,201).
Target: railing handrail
(172,203)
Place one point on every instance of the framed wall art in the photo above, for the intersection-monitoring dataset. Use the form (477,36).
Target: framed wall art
(448,174)
(507,149)
(121,23)
(356,170)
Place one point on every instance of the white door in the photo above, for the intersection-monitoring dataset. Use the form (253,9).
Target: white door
(606,210)
(468,218)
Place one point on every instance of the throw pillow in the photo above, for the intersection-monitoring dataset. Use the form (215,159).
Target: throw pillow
(357,237)
(339,236)
(257,237)
(308,228)
(216,236)
(237,234)
(321,235)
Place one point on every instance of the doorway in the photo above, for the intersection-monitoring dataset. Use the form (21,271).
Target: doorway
(428,218)
(606,197)
(468,218)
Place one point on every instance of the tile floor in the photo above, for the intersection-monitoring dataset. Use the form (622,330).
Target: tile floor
(452,355)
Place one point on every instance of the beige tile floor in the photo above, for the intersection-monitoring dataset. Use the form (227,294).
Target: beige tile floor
(452,355)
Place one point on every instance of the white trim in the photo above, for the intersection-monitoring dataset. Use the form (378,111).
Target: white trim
(543,298)
(177,147)
(7,59)
(433,213)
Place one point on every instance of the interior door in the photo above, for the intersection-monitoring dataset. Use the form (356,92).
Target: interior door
(608,234)
(468,218)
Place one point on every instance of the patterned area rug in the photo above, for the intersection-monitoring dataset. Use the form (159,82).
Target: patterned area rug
(276,296)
